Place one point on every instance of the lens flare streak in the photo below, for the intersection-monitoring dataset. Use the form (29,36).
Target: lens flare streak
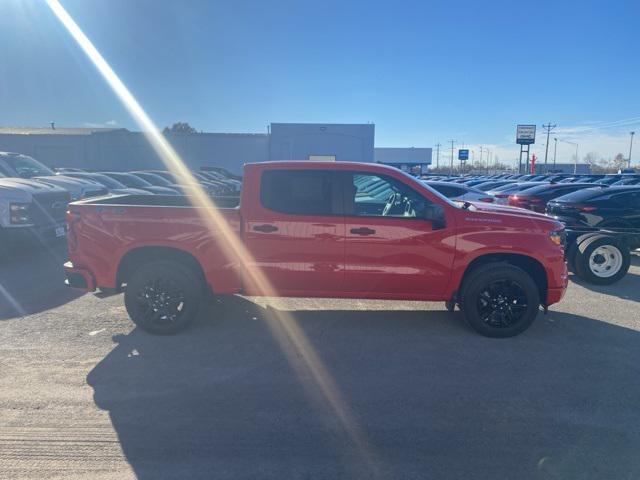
(285,329)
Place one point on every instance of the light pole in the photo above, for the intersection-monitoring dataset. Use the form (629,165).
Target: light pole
(555,150)
(451,167)
(575,164)
(630,147)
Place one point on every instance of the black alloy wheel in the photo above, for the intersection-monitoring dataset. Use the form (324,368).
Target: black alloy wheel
(163,297)
(499,300)
(502,303)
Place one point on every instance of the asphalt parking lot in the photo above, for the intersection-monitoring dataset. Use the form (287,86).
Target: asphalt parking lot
(383,389)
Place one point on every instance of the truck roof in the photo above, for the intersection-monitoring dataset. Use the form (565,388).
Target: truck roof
(302,164)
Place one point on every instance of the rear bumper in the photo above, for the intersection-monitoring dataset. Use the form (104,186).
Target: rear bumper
(79,278)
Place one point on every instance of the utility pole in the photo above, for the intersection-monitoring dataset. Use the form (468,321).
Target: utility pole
(630,147)
(480,156)
(549,128)
(555,150)
(451,167)
(438,155)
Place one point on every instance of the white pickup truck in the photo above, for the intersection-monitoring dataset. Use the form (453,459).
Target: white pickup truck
(30,210)
(17,165)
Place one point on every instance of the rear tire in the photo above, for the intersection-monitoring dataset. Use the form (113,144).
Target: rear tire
(499,300)
(602,260)
(163,297)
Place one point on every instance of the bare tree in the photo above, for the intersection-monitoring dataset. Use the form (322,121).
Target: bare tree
(619,161)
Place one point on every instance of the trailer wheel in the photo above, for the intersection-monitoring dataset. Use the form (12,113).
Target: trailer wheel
(499,300)
(163,297)
(602,260)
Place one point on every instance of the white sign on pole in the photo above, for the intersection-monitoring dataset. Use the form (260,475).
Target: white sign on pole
(526,134)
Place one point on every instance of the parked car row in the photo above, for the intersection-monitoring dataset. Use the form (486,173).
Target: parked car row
(34,197)
(601,213)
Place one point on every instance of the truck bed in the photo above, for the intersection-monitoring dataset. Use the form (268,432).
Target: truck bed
(103,230)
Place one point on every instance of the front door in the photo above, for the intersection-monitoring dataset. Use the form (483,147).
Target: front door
(296,233)
(391,251)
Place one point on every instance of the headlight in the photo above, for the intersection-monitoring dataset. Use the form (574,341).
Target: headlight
(19,213)
(558,237)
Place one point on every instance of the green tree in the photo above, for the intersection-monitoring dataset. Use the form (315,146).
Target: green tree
(180,128)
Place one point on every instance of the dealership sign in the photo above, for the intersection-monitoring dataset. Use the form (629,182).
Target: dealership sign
(463,154)
(526,134)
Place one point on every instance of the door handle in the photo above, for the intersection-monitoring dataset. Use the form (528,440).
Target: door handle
(362,231)
(266,228)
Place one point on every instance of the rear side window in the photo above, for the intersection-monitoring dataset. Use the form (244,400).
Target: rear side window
(625,200)
(448,190)
(299,192)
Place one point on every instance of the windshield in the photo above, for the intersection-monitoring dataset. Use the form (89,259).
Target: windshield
(106,181)
(153,179)
(130,180)
(582,195)
(26,167)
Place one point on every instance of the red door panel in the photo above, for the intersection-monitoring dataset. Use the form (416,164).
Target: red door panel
(403,258)
(304,254)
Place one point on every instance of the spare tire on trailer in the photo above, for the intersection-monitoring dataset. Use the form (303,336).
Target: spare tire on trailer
(602,259)
(572,249)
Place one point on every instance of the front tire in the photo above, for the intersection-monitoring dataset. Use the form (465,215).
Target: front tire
(500,300)
(163,297)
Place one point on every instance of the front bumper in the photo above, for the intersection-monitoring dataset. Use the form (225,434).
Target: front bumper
(79,278)
(555,294)
(31,233)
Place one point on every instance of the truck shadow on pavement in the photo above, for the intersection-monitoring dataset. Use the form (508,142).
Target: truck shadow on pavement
(432,398)
(32,280)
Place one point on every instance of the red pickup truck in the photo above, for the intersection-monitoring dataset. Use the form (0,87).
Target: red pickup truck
(319,229)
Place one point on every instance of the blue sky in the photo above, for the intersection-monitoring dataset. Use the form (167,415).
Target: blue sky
(423,72)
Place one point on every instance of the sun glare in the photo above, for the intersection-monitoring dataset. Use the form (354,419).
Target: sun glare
(291,339)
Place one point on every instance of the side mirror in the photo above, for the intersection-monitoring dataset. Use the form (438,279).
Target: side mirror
(435,214)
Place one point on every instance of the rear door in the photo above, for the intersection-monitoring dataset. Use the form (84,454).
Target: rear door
(294,230)
(391,251)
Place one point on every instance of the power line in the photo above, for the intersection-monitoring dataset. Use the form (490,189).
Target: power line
(549,129)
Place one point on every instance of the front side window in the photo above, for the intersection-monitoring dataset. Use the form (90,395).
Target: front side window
(378,195)
(299,192)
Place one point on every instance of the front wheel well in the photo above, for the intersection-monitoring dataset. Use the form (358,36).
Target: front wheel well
(135,258)
(529,264)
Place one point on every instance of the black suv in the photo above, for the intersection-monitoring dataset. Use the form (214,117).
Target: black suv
(594,208)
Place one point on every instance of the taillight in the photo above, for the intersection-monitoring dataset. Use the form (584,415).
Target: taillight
(487,199)
(72,240)
(585,208)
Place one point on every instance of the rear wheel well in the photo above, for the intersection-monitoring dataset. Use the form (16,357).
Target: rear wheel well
(134,259)
(530,265)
